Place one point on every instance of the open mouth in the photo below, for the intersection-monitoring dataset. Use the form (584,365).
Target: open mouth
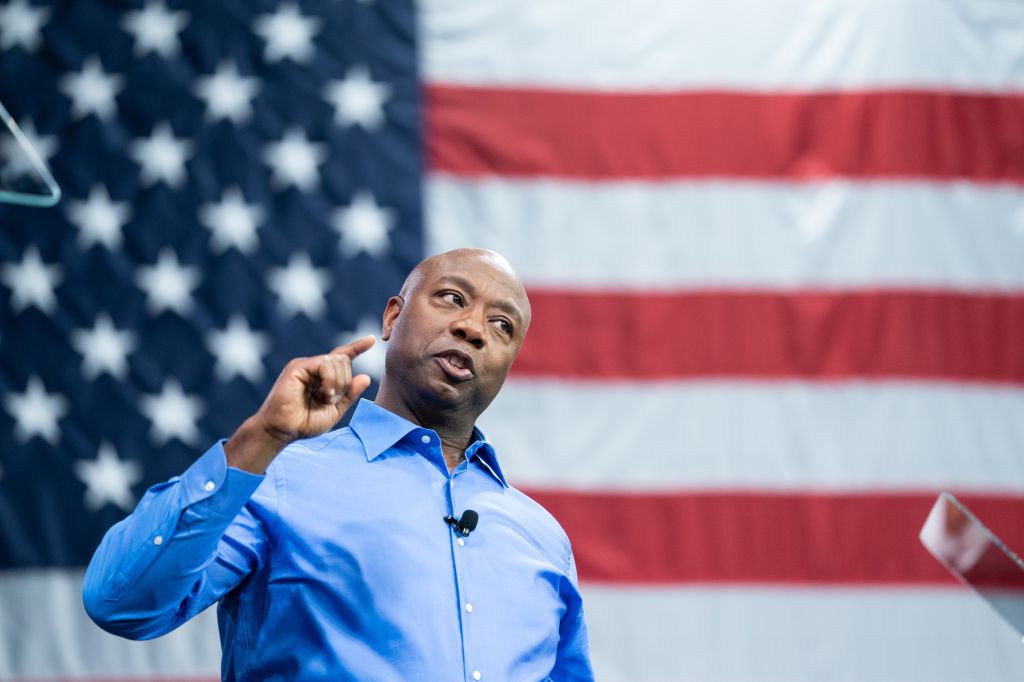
(456,364)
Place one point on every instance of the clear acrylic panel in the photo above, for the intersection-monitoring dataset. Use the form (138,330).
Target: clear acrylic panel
(24,177)
(975,555)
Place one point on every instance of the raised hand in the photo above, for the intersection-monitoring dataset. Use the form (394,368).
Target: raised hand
(309,397)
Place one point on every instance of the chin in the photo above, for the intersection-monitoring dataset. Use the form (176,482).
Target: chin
(443,395)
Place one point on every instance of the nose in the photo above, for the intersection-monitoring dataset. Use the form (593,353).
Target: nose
(468,328)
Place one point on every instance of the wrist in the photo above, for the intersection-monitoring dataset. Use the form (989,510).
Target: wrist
(254,445)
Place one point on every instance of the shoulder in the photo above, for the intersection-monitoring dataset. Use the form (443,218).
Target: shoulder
(538,521)
(326,443)
(333,448)
(540,515)
(308,469)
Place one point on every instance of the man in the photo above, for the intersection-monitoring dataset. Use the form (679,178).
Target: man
(329,554)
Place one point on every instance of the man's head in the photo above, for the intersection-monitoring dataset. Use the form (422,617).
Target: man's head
(453,333)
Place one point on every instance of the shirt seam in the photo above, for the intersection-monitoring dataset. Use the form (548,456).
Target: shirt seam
(271,542)
(324,442)
(245,604)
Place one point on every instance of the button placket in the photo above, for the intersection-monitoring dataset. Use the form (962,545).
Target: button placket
(469,652)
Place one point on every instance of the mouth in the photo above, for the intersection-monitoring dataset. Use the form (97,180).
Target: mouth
(456,364)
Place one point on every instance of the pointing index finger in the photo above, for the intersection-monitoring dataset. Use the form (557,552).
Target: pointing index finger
(357,347)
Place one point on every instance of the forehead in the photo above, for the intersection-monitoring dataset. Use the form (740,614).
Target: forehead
(475,268)
(479,278)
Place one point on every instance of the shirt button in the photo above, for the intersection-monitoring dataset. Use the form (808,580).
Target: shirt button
(210,485)
(462,543)
(158,540)
(425,438)
(469,608)
(477,675)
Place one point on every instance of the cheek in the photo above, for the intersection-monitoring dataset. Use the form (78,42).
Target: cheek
(498,368)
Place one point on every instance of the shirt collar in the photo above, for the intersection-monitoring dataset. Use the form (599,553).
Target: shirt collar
(380,429)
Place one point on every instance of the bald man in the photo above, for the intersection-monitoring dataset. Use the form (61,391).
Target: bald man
(349,555)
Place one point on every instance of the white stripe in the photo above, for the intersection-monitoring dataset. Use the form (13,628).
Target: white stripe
(775,435)
(842,635)
(46,634)
(707,234)
(654,44)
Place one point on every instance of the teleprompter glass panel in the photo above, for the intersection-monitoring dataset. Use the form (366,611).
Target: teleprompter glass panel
(977,557)
(24,177)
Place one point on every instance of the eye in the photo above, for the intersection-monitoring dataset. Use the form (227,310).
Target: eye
(453,297)
(504,325)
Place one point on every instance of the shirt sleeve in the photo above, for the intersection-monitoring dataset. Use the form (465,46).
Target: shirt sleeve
(572,663)
(188,542)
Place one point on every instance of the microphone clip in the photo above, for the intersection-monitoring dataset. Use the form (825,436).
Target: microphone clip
(465,525)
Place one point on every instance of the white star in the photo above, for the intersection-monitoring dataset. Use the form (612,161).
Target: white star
(239,350)
(372,361)
(31,281)
(98,219)
(358,99)
(300,286)
(44,145)
(108,479)
(103,348)
(364,226)
(288,34)
(18,162)
(227,94)
(36,412)
(294,160)
(162,156)
(21,24)
(232,222)
(168,284)
(155,29)
(92,90)
(173,414)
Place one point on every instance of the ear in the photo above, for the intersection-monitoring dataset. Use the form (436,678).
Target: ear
(391,311)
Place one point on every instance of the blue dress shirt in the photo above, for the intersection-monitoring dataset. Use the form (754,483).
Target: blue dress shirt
(337,564)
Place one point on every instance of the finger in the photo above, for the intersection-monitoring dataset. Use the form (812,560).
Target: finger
(307,371)
(346,373)
(357,347)
(341,377)
(360,383)
(328,379)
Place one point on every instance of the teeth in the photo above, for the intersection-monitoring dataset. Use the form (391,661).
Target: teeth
(456,361)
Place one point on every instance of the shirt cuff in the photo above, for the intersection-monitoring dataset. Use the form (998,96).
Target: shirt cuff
(210,475)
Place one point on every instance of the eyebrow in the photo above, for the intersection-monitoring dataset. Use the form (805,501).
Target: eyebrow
(501,304)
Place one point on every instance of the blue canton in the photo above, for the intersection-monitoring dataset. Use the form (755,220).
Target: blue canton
(241,186)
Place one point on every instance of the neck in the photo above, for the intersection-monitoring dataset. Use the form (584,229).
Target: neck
(453,426)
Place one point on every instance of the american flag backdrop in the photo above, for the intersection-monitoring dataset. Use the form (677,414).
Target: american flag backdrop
(775,252)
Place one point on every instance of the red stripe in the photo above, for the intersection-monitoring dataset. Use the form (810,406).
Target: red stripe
(593,135)
(736,537)
(937,335)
